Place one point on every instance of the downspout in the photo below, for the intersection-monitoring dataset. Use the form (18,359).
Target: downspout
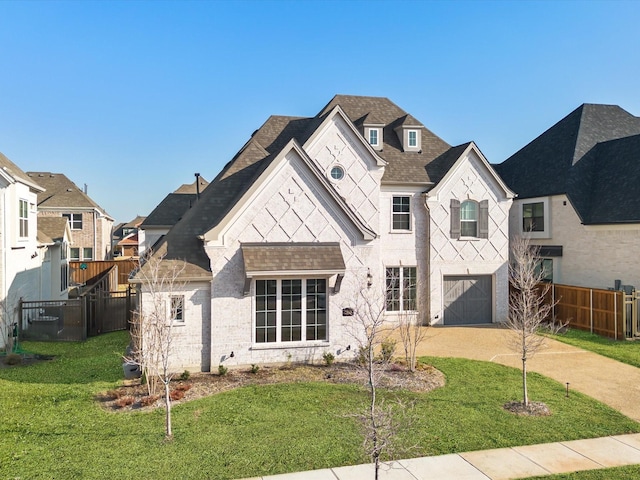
(426,320)
(95,235)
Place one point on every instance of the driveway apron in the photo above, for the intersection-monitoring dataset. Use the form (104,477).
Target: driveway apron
(613,383)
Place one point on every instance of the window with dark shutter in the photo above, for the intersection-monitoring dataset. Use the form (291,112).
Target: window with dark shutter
(455,218)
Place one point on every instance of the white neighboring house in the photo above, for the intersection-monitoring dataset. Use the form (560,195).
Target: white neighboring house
(20,260)
(311,210)
(578,187)
(54,238)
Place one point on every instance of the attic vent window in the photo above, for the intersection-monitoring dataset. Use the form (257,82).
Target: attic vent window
(337,173)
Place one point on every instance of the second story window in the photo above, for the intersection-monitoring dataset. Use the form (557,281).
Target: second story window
(75,220)
(401,213)
(23,216)
(469,219)
(533,217)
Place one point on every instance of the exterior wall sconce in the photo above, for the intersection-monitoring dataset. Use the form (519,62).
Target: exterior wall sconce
(232,355)
(369,278)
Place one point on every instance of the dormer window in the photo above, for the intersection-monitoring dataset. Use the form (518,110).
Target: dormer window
(373,137)
(413,138)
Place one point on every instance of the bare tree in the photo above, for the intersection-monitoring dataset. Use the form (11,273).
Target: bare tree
(370,330)
(160,305)
(528,309)
(410,329)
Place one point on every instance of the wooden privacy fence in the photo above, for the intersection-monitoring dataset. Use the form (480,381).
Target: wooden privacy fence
(87,273)
(610,313)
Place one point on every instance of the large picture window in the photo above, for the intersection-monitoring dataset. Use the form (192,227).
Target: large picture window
(401,289)
(290,310)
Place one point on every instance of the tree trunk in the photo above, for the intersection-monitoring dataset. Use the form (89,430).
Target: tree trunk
(524,381)
(167,401)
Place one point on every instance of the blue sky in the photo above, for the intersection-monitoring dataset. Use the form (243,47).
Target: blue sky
(133,98)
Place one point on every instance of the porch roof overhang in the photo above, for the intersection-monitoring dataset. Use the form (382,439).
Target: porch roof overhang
(291,259)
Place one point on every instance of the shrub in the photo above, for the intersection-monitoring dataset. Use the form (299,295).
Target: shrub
(113,394)
(185,375)
(149,400)
(362,356)
(254,368)
(176,395)
(184,387)
(222,370)
(13,359)
(387,349)
(329,358)
(124,401)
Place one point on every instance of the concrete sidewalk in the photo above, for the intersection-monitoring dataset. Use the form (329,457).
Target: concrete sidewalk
(498,464)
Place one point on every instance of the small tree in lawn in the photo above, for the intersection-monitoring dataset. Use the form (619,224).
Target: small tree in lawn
(528,309)
(8,319)
(161,303)
(368,328)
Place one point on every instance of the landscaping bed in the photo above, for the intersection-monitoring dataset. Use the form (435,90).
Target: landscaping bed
(133,395)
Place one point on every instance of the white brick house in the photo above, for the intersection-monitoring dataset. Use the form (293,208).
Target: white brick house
(311,210)
(579,197)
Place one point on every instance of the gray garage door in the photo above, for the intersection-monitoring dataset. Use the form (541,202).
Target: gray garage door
(467,299)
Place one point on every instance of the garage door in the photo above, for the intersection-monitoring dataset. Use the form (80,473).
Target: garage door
(467,299)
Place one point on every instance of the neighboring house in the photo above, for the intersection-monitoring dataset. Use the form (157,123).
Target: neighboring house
(90,225)
(313,210)
(578,187)
(20,260)
(54,237)
(170,210)
(128,239)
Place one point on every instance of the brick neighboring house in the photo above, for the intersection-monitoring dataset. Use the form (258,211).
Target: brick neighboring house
(90,225)
(313,210)
(128,239)
(578,187)
(170,210)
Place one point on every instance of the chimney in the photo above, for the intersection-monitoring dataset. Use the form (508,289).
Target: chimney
(197,186)
(85,189)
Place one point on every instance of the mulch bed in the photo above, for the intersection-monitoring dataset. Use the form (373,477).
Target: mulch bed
(534,409)
(132,396)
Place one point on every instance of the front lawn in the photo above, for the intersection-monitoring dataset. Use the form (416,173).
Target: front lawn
(52,427)
(625,351)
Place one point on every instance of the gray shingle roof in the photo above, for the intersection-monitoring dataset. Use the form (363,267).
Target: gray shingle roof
(51,229)
(16,172)
(292,257)
(61,193)
(580,156)
(182,242)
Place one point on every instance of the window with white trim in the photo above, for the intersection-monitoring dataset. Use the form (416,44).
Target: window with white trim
(75,220)
(401,289)
(177,308)
(401,213)
(413,138)
(469,218)
(373,137)
(23,216)
(290,310)
(74,253)
(87,253)
(544,269)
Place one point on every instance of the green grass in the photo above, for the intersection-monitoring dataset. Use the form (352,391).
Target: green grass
(624,351)
(51,427)
(631,472)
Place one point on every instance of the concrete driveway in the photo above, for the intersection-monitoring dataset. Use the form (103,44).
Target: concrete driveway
(613,383)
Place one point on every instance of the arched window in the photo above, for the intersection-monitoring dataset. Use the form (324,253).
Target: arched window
(469,218)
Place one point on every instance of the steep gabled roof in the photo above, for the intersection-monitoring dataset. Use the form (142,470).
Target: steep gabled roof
(403,167)
(13,171)
(62,193)
(51,229)
(580,156)
(185,240)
